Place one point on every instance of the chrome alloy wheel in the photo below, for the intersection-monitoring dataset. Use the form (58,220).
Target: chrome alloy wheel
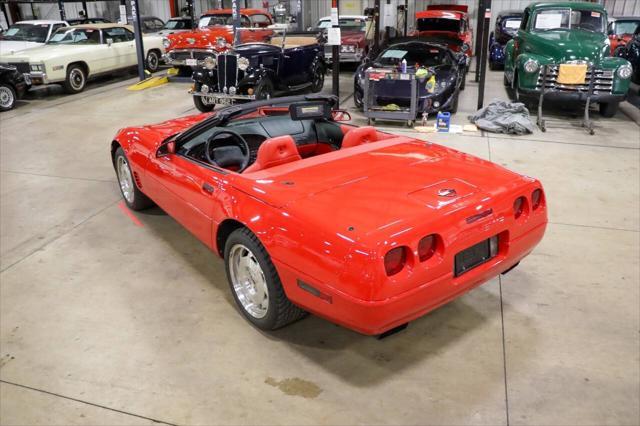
(6,97)
(76,79)
(125,179)
(248,281)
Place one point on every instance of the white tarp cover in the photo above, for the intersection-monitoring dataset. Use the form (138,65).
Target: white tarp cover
(503,117)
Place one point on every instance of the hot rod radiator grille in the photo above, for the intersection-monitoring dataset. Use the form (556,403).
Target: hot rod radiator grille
(227,71)
(603,82)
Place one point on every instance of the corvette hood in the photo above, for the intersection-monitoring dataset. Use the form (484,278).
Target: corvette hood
(381,187)
(562,45)
(8,47)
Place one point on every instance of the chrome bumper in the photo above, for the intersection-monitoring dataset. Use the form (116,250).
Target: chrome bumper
(36,78)
(344,57)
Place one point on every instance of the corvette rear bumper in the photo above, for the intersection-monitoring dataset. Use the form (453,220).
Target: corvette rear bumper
(376,317)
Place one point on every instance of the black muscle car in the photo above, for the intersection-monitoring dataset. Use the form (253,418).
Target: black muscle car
(259,70)
(440,72)
(13,85)
(631,52)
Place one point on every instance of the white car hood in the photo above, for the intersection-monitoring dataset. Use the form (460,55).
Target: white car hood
(10,46)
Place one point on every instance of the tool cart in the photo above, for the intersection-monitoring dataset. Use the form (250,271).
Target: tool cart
(383,83)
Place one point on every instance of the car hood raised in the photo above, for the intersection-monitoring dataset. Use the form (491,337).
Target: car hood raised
(563,45)
(380,186)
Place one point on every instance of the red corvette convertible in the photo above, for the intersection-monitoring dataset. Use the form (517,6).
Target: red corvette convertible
(367,229)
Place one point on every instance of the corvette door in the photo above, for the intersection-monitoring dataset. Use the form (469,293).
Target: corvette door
(186,190)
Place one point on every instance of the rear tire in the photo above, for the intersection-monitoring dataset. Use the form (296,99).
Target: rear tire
(153,61)
(133,197)
(608,109)
(76,79)
(264,90)
(454,106)
(7,97)
(255,283)
(463,83)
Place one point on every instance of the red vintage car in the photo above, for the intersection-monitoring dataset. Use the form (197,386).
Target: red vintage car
(448,21)
(367,229)
(620,31)
(214,34)
(355,33)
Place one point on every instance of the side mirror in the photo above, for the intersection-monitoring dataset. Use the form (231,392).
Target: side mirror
(166,149)
(171,147)
(340,115)
(109,42)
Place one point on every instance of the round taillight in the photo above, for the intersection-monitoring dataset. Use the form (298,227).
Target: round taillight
(426,247)
(394,260)
(536,198)
(518,207)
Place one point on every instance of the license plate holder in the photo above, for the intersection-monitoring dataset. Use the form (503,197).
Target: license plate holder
(191,62)
(572,74)
(472,257)
(222,101)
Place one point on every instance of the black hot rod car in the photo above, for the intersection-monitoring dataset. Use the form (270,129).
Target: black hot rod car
(288,63)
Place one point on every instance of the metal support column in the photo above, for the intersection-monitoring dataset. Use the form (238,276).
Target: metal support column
(376,26)
(479,28)
(84,7)
(481,60)
(235,19)
(299,16)
(406,17)
(137,30)
(190,10)
(335,56)
(63,15)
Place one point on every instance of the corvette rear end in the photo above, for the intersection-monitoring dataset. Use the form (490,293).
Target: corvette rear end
(402,227)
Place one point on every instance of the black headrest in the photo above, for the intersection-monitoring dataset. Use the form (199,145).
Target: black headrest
(226,156)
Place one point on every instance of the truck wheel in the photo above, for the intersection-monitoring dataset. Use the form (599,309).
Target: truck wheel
(608,109)
(255,284)
(76,79)
(153,61)
(7,97)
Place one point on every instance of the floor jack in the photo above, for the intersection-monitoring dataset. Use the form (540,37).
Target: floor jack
(586,120)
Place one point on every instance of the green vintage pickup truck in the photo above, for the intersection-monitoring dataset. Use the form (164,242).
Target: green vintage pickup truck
(570,39)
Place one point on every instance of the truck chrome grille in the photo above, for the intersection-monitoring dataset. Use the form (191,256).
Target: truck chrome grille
(181,55)
(602,84)
(227,71)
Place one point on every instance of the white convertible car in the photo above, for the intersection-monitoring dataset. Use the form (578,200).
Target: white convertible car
(75,54)
(28,34)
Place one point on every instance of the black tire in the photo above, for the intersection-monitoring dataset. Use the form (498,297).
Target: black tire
(608,109)
(7,97)
(264,90)
(492,66)
(317,78)
(135,199)
(76,79)
(463,83)
(184,71)
(454,106)
(153,61)
(619,51)
(200,102)
(280,310)
(358,98)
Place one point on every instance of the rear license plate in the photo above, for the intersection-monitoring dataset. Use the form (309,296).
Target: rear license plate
(191,62)
(222,101)
(474,256)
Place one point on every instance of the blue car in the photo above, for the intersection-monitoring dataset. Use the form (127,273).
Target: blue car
(507,24)
(259,70)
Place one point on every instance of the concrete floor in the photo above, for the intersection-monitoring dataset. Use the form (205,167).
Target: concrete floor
(106,322)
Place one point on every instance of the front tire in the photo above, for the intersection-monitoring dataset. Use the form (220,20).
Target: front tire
(7,97)
(358,98)
(255,283)
(608,109)
(153,61)
(133,197)
(76,79)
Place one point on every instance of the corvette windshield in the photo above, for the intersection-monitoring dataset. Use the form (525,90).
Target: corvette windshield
(415,55)
(27,32)
(566,19)
(439,24)
(75,36)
